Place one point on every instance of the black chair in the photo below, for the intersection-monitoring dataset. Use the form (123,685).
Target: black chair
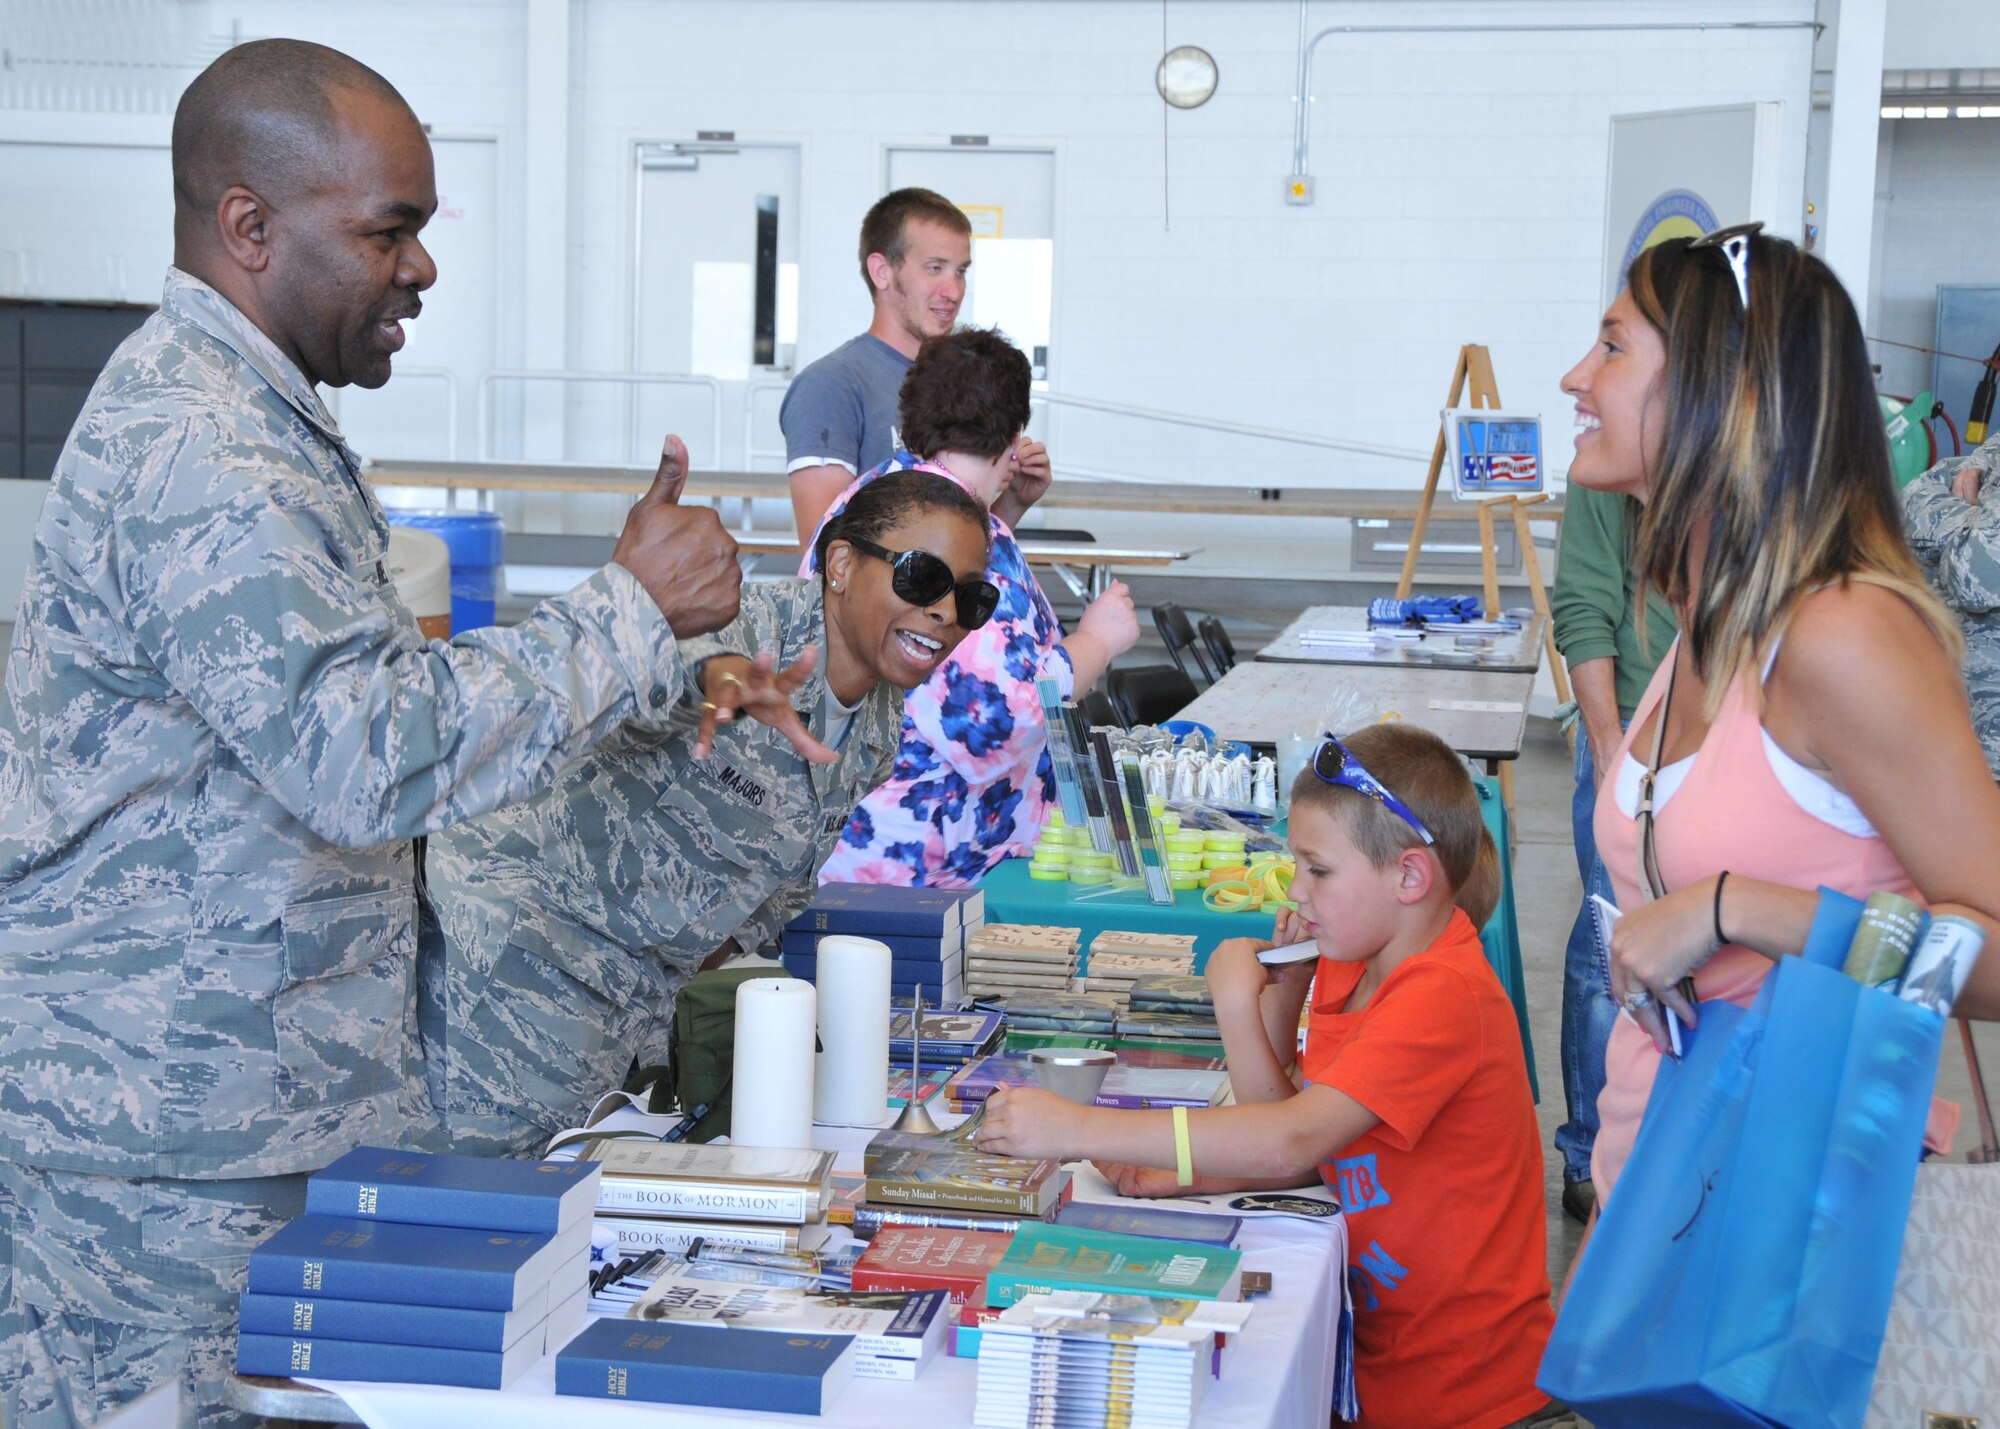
(1178,636)
(1221,648)
(1097,709)
(1149,694)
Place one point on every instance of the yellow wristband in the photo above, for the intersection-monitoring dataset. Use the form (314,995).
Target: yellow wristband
(1183,1153)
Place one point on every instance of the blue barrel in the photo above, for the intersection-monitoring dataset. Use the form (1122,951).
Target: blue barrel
(474,539)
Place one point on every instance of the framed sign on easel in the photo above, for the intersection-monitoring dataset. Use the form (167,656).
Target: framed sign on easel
(1488,469)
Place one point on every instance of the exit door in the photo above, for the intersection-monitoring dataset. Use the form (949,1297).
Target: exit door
(715,294)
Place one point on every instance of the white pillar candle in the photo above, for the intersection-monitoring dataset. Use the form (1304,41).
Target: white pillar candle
(772,1086)
(851,1086)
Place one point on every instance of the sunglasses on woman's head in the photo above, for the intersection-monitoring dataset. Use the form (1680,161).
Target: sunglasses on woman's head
(1733,243)
(923,579)
(1335,765)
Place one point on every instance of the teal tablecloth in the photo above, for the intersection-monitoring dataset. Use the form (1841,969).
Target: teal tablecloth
(1013,897)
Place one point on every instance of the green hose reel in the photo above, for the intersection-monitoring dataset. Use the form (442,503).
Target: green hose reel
(1909,442)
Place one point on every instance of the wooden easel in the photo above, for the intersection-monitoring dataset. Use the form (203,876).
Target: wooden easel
(1475,371)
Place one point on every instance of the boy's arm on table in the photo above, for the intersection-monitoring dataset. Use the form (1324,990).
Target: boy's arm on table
(1281,1141)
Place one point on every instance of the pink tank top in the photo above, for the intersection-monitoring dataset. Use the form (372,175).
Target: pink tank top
(1729,812)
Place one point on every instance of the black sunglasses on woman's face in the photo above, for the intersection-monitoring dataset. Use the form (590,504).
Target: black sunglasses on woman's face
(922,579)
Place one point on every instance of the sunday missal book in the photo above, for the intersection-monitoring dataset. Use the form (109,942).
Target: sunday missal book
(675,1362)
(479,1192)
(910,1170)
(347,1259)
(1049,1258)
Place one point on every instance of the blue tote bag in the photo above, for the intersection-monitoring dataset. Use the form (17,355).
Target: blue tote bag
(1741,1272)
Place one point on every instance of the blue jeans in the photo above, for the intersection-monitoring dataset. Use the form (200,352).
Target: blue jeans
(1587,1009)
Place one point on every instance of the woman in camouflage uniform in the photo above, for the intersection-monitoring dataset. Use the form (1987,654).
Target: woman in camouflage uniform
(571,921)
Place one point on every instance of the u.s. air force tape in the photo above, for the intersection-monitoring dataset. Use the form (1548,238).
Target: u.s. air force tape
(1308,1207)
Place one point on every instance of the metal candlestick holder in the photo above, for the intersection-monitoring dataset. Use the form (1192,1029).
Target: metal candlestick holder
(916,1118)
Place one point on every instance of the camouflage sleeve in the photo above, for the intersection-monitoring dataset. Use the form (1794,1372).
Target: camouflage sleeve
(761,930)
(324,689)
(764,622)
(1958,541)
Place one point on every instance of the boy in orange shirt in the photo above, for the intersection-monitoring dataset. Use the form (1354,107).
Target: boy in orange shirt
(1412,1100)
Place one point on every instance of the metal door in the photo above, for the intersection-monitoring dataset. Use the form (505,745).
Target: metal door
(715,296)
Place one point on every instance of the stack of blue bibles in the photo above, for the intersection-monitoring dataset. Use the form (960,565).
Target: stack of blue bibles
(420,1269)
(924,928)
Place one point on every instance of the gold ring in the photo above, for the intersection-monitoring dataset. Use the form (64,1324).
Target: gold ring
(710,705)
(734,679)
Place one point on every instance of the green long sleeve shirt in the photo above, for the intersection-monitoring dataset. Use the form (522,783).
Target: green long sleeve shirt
(1595,597)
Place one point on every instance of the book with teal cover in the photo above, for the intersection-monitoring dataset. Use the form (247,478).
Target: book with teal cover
(478,1192)
(1045,1258)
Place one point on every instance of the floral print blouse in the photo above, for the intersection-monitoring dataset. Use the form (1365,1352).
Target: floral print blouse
(972,782)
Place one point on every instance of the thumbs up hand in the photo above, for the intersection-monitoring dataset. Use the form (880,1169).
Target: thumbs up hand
(681,554)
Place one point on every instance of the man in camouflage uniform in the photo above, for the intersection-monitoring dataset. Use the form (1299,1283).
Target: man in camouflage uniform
(1952,513)
(571,921)
(222,733)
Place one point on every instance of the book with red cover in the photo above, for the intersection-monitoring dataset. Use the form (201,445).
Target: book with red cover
(925,1258)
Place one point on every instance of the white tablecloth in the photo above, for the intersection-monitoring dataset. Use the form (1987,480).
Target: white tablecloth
(1278,1376)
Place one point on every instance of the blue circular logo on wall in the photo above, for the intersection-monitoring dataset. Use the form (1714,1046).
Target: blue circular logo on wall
(1677,213)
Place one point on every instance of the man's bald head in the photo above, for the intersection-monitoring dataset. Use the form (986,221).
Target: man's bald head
(302,182)
(263,117)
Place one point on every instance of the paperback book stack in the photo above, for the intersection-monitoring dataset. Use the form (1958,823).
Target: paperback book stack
(662,1195)
(950,1040)
(1124,1361)
(1071,1014)
(924,928)
(1007,959)
(947,1174)
(1126,1086)
(896,1332)
(1117,960)
(420,1269)
(1171,1006)
(1048,1258)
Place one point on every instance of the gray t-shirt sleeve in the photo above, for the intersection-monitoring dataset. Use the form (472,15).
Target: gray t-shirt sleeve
(823,417)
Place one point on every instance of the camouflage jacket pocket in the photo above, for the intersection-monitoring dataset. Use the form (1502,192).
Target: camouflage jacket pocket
(342,1015)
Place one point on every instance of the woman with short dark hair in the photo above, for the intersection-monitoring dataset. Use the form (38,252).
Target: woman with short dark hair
(571,921)
(972,781)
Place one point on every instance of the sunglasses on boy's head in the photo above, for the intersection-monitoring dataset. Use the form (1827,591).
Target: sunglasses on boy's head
(922,579)
(1335,765)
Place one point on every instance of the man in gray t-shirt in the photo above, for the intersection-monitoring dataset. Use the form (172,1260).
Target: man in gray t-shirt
(839,418)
